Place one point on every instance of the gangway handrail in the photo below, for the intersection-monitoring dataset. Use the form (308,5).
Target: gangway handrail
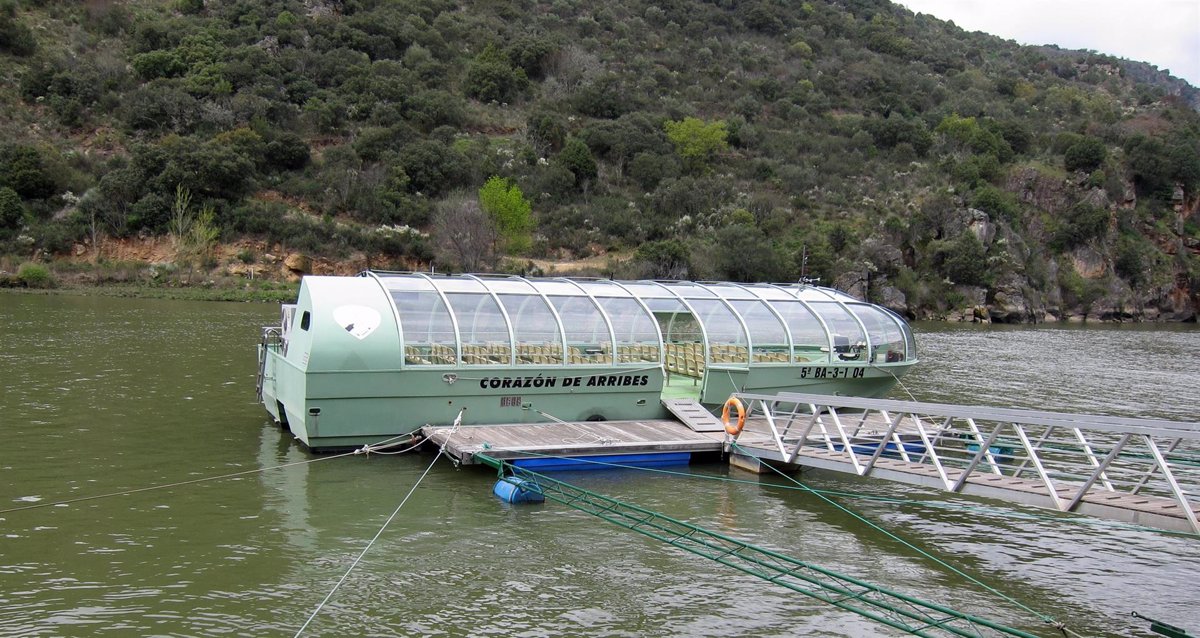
(1139,470)
(1189,430)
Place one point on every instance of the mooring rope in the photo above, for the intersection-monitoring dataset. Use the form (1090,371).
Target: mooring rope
(441,450)
(898,381)
(384,443)
(1043,617)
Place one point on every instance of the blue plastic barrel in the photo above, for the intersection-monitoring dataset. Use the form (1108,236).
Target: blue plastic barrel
(512,489)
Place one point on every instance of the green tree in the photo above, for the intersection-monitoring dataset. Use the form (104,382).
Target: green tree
(1087,154)
(23,170)
(490,77)
(12,212)
(697,141)
(964,261)
(15,37)
(577,158)
(664,259)
(512,214)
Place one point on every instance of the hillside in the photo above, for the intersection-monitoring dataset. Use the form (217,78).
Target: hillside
(946,174)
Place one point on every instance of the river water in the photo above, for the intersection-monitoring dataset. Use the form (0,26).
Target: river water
(101,395)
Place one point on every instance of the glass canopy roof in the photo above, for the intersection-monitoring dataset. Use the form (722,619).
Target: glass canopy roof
(500,320)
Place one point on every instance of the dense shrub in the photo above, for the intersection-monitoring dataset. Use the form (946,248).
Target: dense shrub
(23,170)
(1078,225)
(964,260)
(12,212)
(665,259)
(491,78)
(35,276)
(15,37)
(1087,154)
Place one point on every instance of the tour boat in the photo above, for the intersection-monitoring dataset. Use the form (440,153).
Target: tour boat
(359,359)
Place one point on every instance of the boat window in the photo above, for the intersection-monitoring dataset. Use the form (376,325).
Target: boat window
(538,338)
(726,339)
(766,332)
(588,341)
(428,332)
(809,340)
(849,341)
(665,305)
(637,338)
(305,319)
(484,333)
(887,340)
(811,293)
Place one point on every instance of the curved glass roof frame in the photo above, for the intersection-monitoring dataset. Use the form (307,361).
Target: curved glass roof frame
(722,293)
(612,334)
(836,297)
(512,335)
(532,290)
(673,295)
(787,331)
(562,330)
(395,311)
(649,314)
(824,325)
(450,309)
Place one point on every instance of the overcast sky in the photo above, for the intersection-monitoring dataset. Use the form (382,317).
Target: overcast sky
(1165,33)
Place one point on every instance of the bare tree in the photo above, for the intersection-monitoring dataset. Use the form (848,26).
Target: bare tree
(464,235)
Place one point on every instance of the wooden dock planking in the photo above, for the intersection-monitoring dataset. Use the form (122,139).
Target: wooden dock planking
(580,438)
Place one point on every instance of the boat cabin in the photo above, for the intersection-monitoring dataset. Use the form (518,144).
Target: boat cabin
(357,359)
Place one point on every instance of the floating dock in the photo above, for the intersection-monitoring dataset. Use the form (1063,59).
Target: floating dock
(1139,471)
(574,439)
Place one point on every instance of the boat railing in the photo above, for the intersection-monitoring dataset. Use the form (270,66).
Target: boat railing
(1071,462)
(272,341)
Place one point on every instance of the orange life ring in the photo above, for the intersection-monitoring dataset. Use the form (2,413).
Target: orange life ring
(734,429)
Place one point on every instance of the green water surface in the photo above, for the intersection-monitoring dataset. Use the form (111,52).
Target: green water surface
(102,395)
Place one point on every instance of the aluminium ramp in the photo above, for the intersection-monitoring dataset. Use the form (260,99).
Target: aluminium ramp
(693,415)
(1141,471)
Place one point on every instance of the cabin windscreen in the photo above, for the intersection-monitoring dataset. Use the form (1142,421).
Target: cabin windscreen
(887,339)
(849,340)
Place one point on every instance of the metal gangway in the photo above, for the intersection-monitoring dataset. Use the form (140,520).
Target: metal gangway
(1140,471)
